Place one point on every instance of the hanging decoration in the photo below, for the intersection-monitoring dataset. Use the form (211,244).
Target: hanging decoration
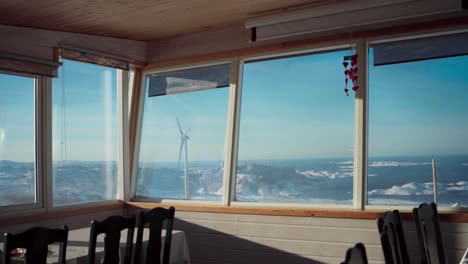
(351,73)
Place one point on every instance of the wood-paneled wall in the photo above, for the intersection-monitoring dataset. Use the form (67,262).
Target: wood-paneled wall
(242,238)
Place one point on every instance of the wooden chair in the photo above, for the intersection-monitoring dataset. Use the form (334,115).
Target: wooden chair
(154,218)
(36,240)
(395,236)
(111,227)
(389,241)
(430,238)
(356,255)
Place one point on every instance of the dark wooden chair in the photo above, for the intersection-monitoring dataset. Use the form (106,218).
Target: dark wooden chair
(36,240)
(111,227)
(429,235)
(395,236)
(389,241)
(154,218)
(356,255)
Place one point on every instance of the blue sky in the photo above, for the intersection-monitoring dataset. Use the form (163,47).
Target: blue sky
(90,109)
(419,108)
(296,108)
(204,113)
(16,118)
(291,108)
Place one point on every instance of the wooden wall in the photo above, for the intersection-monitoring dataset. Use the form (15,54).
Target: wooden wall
(241,238)
(235,41)
(199,44)
(39,43)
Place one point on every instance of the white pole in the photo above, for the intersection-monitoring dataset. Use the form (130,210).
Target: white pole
(434,179)
(187,182)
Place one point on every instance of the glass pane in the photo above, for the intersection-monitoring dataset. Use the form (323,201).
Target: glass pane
(418,113)
(296,131)
(84,134)
(192,80)
(182,145)
(420,49)
(17,140)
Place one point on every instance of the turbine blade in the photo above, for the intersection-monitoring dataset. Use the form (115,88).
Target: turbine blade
(186,132)
(180,129)
(180,151)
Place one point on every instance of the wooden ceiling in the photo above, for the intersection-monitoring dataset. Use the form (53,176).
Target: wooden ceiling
(139,19)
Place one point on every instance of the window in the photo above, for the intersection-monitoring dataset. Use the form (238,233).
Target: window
(418,114)
(18,176)
(183,134)
(292,129)
(85,150)
(296,131)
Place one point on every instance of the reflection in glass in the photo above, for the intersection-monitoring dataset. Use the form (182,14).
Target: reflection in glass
(84,134)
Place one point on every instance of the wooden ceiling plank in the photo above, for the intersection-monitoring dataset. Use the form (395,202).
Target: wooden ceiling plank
(136,19)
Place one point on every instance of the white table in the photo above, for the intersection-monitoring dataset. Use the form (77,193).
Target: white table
(78,241)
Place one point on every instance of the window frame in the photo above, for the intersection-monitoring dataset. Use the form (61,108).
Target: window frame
(274,56)
(40,87)
(122,144)
(43,119)
(361,129)
(136,151)
(379,40)
(43,147)
(231,144)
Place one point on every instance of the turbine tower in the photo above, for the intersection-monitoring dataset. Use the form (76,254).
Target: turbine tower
(183,145)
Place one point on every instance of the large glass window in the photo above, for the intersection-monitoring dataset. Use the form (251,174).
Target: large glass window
(17,140)
(183,134)
(418,124)
(84,134)
(296,131)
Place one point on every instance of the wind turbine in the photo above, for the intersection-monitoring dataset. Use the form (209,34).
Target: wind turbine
(183,145)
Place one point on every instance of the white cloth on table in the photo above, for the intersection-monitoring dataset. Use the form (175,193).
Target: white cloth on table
(179,247)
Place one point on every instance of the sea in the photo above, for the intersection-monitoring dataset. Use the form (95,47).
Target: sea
(406,181)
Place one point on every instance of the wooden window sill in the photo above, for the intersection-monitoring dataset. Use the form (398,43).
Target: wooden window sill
(25,217)
(278,211)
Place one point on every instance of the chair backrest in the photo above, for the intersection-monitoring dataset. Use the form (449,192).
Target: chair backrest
(111,227)
(389,242)
(35,241)
(396,236)
(154,218)
(430,238)
(356,255)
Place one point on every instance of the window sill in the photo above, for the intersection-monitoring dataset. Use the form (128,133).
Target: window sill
(59,212)
(281,211)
